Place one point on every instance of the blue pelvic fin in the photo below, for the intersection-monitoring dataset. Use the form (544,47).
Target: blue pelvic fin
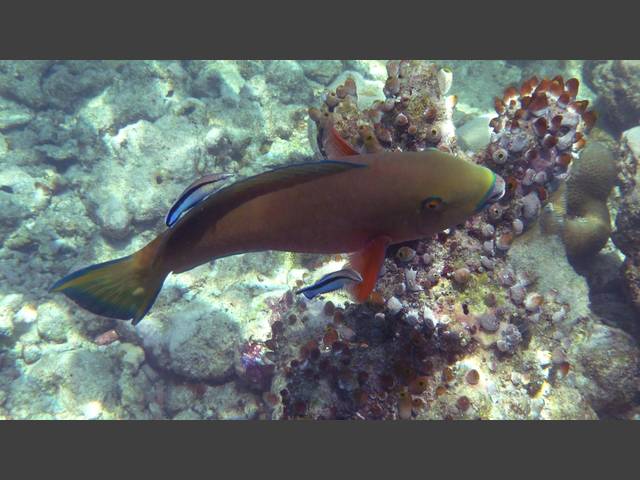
(192,195)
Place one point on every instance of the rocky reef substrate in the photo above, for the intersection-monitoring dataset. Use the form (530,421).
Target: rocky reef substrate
(487,320)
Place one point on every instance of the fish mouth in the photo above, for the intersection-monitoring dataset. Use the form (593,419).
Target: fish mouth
(495,193)
(499,188)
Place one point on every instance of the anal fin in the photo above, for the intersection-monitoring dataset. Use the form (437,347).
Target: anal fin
(368,263)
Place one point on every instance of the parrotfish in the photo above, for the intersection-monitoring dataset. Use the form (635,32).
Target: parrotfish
(350,203)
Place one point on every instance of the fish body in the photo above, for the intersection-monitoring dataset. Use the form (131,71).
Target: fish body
(358,203)
(341,213)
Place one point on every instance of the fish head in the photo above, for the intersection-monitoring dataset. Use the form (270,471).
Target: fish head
(455,189)
(494,193)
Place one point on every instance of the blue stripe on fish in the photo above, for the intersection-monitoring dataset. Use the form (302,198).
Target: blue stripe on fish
(483,203)
(192,195)
(331,282)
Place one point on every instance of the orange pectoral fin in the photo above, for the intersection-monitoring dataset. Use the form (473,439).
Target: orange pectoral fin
(368,262)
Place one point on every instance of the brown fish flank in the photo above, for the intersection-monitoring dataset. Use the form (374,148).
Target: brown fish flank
(338,213)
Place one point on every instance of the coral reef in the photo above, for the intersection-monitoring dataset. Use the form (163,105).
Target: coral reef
(610,382)
(475,134)
(587,225)
(627,234)
(579,211)
(539,131)
(618,85)
(197,345)
(487,320)
(417,113)
(414,344)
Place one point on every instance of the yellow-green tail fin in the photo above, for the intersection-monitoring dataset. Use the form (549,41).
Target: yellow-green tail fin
(124,288)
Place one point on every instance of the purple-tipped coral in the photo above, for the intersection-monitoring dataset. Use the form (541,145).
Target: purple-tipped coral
(538,132)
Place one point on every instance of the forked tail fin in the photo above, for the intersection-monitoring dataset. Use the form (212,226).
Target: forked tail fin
(124,288)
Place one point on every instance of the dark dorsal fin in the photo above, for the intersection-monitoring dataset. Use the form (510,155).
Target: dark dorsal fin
(205,214)
(194,194)
(333,145)
(273,180)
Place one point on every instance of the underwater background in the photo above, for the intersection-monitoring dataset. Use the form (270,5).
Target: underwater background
(530,310)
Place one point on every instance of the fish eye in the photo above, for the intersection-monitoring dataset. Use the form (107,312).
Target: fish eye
(435,204)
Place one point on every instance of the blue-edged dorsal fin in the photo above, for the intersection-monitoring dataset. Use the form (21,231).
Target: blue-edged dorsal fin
(244,190)
(194,194)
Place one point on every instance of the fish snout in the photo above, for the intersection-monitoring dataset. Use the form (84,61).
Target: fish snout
(499,187)
(495,193)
